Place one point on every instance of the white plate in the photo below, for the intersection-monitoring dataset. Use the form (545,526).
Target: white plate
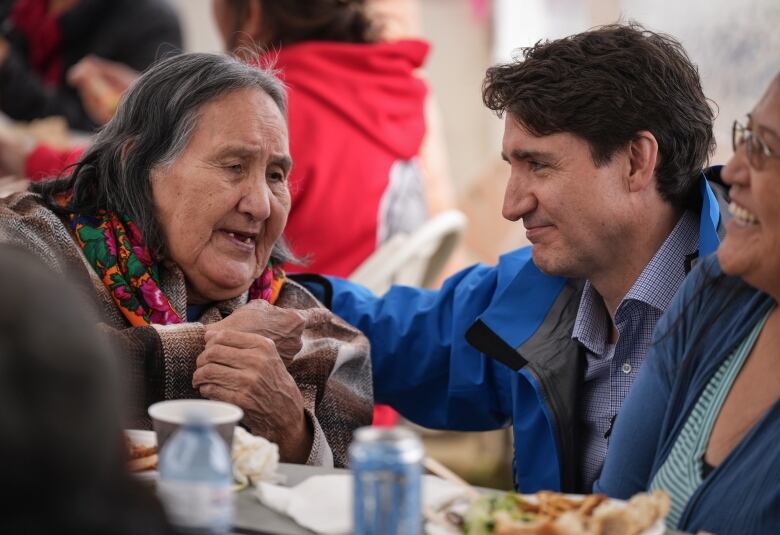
(437,529)
(460,507)
(149,438)
(145,438)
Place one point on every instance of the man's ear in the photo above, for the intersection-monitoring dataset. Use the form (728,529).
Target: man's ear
(642,157)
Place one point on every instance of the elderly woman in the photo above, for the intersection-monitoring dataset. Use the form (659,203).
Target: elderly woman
(702,421)
(172,221)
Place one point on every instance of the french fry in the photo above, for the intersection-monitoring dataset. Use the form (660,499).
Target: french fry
(551,513)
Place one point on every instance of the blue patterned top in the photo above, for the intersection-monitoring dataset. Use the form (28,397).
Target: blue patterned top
(681,473)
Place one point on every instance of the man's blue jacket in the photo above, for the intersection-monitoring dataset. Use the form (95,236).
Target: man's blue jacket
(491,348)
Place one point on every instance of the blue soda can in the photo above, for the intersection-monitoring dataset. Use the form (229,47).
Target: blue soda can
(386,464)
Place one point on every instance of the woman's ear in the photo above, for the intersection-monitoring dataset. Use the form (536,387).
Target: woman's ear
(249,34)
(252,23)
(643,156)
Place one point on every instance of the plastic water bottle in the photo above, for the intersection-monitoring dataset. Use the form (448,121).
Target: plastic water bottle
(196,479)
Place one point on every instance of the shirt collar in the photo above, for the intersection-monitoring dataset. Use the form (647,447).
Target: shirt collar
(590,327)
(663,275)
(655,286)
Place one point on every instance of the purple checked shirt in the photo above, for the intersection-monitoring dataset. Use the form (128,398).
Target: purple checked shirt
(611,368)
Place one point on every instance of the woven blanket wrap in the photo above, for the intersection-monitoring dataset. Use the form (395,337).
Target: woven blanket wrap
(332,371)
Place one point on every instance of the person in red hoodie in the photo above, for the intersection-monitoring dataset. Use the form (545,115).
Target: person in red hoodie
(356,122)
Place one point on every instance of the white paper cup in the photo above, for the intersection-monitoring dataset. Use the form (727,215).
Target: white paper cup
(167,416)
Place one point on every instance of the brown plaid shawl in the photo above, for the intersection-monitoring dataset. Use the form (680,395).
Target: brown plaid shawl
(332,370)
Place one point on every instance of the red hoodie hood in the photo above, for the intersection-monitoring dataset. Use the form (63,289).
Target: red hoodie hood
(372,85)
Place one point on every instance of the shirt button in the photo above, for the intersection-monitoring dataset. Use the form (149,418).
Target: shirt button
(626,368)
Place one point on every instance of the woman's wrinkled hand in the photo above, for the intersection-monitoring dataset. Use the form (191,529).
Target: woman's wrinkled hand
(284,326)
(245,369)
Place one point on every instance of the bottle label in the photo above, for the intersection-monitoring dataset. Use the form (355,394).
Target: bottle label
(194,505)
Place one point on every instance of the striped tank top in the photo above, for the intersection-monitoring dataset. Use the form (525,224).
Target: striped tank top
(681,473)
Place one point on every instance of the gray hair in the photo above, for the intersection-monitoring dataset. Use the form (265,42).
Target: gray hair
(151,128)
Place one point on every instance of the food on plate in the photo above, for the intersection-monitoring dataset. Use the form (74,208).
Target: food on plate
(141,457)
(552,513)
(254,458)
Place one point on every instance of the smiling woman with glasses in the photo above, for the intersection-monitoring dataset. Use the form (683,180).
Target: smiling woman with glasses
(702,421)
(757,149)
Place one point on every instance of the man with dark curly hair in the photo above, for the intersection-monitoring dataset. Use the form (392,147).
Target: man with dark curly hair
(607,133)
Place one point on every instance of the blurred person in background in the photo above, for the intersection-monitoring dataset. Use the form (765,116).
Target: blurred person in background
(42,39)
(62,445)
(617,207)
(702,421)
(172,222)
(48,53)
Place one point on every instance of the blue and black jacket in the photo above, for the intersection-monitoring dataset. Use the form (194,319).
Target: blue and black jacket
(491,348)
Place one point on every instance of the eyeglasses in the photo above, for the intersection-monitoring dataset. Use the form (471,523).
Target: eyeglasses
(757,149)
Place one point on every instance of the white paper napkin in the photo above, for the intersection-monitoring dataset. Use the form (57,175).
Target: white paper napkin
(323,504)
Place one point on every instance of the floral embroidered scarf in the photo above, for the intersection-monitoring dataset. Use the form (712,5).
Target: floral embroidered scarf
(114,247)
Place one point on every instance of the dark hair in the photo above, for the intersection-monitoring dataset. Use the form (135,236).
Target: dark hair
(295,21)
(61,444)
(151,128)
(606,85)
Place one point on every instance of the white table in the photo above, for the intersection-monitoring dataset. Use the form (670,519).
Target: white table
(253,518)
